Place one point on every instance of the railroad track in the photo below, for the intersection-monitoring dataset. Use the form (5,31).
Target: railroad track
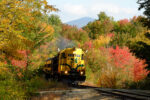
(121,93)
(82,92)
(125,95)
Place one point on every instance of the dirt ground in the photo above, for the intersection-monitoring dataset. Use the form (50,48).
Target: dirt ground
(73,94)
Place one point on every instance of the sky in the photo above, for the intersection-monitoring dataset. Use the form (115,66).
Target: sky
(75,9)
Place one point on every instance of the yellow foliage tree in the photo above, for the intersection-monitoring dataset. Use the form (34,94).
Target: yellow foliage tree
(101,41)
(22,27)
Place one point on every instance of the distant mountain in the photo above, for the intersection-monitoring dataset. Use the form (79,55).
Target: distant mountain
(81,22)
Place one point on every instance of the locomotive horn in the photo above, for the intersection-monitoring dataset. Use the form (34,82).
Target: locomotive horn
(58,49)
(86,51)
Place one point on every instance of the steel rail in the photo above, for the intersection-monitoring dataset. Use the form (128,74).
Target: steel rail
(124,95)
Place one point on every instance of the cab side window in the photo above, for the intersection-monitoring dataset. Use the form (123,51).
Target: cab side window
(82,58)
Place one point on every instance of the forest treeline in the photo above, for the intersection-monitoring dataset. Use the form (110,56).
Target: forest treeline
(117,51)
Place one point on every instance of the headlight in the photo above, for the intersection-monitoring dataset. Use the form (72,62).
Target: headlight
(66,72)
(81,73)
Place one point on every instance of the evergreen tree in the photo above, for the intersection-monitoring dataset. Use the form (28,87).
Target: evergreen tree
(145,4)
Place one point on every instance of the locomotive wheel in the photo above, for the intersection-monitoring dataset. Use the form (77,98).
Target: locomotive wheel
(75,83)
(56,77)
(47,76)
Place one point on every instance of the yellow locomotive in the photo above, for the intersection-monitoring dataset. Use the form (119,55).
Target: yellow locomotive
(68,64)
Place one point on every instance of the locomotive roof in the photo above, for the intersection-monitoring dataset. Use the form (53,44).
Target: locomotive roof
(52,58)
(70,49)
(65,50)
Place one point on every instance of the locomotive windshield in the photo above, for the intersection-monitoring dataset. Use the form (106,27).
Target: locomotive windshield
(77,55)
(71,55)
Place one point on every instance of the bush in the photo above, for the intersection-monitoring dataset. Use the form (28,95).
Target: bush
(17,84)
(38,83)
(142,84)
(10,88)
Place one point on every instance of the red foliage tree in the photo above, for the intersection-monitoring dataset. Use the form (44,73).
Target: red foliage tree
(88,45)
(139,69)
(23,62)
(111,35)
(122,58)
(124,22)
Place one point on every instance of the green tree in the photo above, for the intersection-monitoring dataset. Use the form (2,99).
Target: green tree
(55,21)
(145,4)
(140,45)
(145,21)
(102,17)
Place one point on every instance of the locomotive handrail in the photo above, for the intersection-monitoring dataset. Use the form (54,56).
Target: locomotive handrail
(67,65)
(81,65)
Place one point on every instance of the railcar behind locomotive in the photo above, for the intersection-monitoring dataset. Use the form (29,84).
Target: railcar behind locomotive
(68,64)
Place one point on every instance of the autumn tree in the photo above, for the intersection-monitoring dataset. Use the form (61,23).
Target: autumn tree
(125,30)
(22,26)
(101,26)
(122,68)
(73,33)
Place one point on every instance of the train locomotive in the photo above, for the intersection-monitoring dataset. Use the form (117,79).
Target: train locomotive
(68,64)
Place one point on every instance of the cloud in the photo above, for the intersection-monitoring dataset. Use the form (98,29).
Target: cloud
(119,9)
(77,10)
(129,10)
(95,8)
(103,7)
(112,8)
